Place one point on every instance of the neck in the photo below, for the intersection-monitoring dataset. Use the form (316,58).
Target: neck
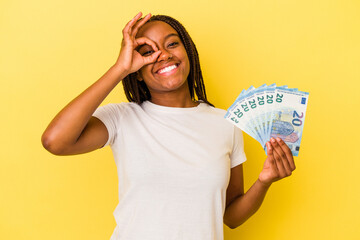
(173,100)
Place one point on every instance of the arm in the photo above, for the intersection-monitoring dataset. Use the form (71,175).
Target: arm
(239,207)
(74,130)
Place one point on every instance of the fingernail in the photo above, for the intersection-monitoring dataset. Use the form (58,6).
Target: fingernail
(278,139)
(272,139)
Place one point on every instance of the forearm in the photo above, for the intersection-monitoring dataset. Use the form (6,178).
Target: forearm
(246,205)
(68,124)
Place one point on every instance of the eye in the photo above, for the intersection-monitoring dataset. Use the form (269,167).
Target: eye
(173,44)
(147,53)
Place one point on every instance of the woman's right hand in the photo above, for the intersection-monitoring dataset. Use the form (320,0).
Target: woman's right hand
(74,130)
(129,59)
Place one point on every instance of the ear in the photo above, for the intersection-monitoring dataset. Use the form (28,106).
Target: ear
(139,76)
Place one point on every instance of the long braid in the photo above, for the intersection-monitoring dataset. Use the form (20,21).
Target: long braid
(137,91)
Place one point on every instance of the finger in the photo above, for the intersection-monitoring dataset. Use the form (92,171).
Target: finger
(145,40)
(270,153)
(283,157)
(139,24)
(288,153)
(128,27)
(281,170)
(152,58)
(270,157)
(284,168)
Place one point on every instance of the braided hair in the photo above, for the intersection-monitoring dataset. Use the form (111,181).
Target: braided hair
(137,91)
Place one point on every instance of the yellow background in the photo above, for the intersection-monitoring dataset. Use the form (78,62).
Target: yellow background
(50,51)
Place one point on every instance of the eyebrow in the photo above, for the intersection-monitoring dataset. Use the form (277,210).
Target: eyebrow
(168,36)
(171,34)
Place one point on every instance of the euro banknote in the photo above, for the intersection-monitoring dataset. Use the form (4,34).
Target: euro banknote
(271,111)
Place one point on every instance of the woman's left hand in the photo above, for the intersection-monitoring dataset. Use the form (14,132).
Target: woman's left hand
(279,162)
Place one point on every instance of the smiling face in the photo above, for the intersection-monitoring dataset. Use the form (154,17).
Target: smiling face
(170,71)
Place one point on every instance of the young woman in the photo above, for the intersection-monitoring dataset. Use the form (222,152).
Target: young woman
(179,161)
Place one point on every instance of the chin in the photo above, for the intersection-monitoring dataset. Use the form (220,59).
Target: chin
(176,85)
(171,86)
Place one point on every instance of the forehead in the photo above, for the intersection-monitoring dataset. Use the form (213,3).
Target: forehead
(155,30)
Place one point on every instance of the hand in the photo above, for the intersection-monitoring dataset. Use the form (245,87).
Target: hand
(129,59)
(279,162)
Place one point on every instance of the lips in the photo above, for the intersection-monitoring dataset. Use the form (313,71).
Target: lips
(168,69)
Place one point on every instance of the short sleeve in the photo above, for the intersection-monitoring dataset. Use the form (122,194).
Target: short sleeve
(237,155)
(110,115)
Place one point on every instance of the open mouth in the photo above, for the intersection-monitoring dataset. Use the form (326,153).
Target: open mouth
(168,70)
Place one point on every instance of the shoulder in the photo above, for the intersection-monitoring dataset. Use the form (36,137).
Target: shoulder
(116,111)
(216,112)
(217,116)
(119,107)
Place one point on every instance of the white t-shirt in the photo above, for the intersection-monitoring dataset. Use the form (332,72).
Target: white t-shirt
(173,166)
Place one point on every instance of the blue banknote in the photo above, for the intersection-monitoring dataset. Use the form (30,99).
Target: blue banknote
(271,111)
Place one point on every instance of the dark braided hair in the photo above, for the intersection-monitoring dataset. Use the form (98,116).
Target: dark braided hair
(137,91)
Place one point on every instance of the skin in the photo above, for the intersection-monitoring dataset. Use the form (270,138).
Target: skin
(278,165)
(169,88)
(145,49)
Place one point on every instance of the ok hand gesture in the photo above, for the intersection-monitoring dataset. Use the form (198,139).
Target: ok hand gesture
(129,59)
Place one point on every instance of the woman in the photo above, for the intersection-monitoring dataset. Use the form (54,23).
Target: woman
(179,162)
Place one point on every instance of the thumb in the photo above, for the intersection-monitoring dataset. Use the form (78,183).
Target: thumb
(152,58)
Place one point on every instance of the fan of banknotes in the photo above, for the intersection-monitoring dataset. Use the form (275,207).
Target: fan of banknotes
(271,111)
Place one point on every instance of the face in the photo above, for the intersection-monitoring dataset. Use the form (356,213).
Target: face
(170,71)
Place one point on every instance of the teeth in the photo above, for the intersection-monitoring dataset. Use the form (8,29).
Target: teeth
(167,69)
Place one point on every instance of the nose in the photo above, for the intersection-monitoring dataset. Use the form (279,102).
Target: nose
(165,55)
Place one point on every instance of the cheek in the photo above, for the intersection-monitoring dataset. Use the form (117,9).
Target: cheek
(145,71)
(187,66)
(186,61)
